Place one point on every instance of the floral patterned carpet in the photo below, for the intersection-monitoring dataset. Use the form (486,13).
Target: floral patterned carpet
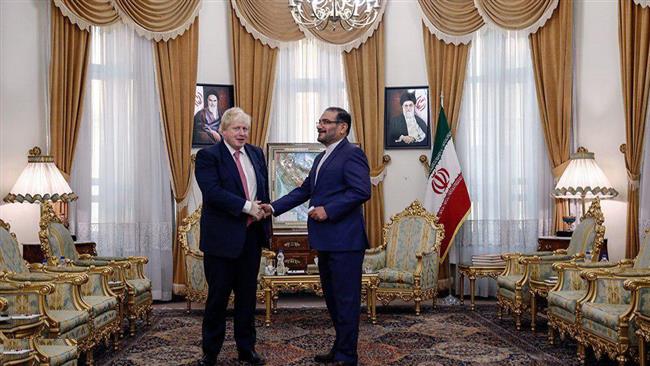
(444,336)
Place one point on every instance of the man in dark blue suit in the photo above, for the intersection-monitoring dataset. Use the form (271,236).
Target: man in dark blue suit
(232,176)
(337,186)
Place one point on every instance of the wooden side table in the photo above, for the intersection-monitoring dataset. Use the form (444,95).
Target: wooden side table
(33,253)
(551,243)
(473,272)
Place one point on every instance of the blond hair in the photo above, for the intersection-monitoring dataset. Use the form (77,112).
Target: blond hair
(234,114)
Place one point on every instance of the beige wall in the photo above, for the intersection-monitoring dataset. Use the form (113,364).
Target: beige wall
(22,101)
(599,109)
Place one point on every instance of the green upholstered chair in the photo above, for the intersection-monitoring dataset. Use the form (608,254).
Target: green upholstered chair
(196,287)
(641,298)
(81,306)
(522,269)
(605,315)
(407,261)
(27,351)
(56,242)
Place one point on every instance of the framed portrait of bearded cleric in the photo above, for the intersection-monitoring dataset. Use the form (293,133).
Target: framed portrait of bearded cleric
(406,120)
(289,165)
(210,101)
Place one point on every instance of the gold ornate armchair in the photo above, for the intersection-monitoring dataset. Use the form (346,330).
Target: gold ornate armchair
(408,259)
(128,276)
(641,319)
(32,348)
(522,269)
(196,287)
(606,314)
(80,307)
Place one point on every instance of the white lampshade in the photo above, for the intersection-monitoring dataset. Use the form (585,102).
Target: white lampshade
(40,181)
(583,178)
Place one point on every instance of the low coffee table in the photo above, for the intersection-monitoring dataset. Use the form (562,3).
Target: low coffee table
(273,285)
(472,272)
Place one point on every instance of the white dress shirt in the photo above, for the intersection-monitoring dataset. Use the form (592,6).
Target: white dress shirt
(249,172)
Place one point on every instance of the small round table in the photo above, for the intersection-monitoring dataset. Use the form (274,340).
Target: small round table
(472,272)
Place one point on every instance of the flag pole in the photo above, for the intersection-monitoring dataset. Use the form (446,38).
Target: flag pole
(449,299)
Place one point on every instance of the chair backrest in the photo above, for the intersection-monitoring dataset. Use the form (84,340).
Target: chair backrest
(10,258)
(56,240)
(589,233)
(189,232)
(414,230)
(642,259)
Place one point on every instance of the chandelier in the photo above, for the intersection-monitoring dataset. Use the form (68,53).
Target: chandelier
(320,14)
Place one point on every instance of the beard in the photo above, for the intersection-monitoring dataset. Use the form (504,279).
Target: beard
(409,115)
(214,111)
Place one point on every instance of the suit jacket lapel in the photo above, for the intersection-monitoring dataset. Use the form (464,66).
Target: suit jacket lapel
(330,158)
(229,161)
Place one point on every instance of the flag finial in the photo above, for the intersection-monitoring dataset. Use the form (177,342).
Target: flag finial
(442,99)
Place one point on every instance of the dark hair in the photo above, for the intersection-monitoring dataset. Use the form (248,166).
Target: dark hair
(342,116)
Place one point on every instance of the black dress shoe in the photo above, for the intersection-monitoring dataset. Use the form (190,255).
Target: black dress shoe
(251,357)
(207,360)
(325,357)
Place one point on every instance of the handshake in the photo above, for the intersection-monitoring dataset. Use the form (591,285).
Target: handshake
(260,211)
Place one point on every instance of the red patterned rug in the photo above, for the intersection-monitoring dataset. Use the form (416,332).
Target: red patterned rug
(444,336)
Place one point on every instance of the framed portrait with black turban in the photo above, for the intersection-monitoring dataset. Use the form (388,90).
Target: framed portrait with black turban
(406,120)
(210,101)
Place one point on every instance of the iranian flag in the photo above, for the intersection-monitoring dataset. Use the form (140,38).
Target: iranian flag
(446,194)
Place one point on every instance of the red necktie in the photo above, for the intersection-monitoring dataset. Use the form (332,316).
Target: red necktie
(244,182)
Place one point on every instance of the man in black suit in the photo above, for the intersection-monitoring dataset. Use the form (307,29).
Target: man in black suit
(232,176)
(407,129)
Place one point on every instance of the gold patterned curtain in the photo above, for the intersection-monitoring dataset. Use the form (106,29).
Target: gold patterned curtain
(68,67)
(271,23)
(254,79)
(364,74)
(153,19)
(446,67)
(552,53)
(634,43)
(176,63)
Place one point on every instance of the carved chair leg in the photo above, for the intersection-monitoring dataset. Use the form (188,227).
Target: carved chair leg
(533,311)
(621,360)
(189,306)
(499,312)
(132,321)
(551,336)
(582,355)
(518,319)
(417,307)
(116,340)
(642,351)
(90,359)
(147,319)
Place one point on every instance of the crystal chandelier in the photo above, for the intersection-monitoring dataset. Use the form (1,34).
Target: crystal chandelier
(320,14)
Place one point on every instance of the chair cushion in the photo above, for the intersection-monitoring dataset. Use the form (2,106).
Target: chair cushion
(606,332)
(79,333)
(566,300)
(69,319)
(90,262)
(141,285)
(108,259)
(396,285)
(32,276)
(508,281)
(568,316)
(103,319)
(508,294)
(101,304)
(605,314)
(57,352)
(393,275)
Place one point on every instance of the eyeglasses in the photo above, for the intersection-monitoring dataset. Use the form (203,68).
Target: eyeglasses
(325,122)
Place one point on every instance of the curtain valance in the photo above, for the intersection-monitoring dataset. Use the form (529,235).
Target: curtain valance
(271,23)
(454,21)
(153,19)
(643,3)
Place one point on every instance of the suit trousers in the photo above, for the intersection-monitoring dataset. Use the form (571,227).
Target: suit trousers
(340,275)
(226,275)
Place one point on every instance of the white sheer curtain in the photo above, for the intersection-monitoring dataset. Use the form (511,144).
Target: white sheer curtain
(501,151)
(121,171)
(309,78)
(644,199)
